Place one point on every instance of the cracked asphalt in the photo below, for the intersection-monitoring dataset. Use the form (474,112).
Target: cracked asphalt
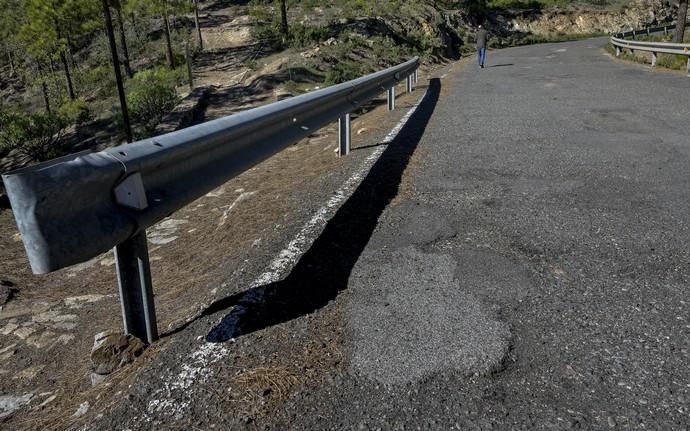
(553,186)
(516,259)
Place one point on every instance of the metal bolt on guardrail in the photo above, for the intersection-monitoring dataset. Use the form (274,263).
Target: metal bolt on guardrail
(74,208)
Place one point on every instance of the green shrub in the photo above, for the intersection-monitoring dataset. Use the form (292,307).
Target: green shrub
(423,43)
(344,71)
(161,75)
(75,112)
(151,95)
(306,35)
(37,136)
(260,12)
(270,34)
(387,52)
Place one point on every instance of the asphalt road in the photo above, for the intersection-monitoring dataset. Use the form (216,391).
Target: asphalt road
(516,259)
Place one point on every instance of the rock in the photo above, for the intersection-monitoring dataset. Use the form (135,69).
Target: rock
(9,328)
(281,94)
(636,15)
(29,373)
(7,292)
(80,301)
(48,400)
(112,351)
(9,404)
(24,332)
(42,340)
(65,339)
(81,411)
(311,53)
(97,378)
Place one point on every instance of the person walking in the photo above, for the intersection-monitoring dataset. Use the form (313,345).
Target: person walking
(482,36)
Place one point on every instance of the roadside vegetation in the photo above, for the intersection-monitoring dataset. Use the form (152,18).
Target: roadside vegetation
(59,85)
(57,73)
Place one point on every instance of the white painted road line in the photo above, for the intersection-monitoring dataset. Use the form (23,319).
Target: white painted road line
(196,368)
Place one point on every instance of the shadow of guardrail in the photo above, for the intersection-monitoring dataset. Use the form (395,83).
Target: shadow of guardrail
(323,271)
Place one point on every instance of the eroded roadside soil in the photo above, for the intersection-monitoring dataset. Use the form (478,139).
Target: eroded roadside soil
(210,250)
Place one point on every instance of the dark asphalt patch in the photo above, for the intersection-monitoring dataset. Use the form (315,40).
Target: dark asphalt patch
(410,318)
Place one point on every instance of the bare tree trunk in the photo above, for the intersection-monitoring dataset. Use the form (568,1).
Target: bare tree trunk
(68,76)
(168,42)
(58,88)
(116,67)
(46,99)
(11,60)
(70,51)
(44,87)
(123,42)
(190,74)
(283,19)
(680,21)
(200,40)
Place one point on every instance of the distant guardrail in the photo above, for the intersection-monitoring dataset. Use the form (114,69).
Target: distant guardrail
(74,208)
(620,42)
(667,28)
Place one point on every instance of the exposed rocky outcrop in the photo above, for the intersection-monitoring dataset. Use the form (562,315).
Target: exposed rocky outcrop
(639,14)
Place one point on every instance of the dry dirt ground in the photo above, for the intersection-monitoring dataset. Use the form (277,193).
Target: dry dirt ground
(209,250)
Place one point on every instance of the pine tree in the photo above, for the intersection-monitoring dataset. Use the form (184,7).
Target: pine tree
(163,9)
(50,26)
(118,5)
(200,40)
(116,67)
(9,27)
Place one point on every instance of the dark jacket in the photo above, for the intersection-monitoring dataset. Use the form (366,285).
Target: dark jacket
(482,36)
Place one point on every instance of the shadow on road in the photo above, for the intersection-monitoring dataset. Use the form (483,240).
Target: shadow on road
(324,270)
(501,65)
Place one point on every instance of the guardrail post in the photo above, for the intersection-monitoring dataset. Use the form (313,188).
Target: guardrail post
(391,99)
(136,289)
(653,59)
(618,51)
(665,30)
(647,31)
(688,66)
(409,84)
(344,134)
(416,76)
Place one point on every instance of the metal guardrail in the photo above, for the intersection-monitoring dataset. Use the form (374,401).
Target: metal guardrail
(74,208)
(621,43)
(667,28)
